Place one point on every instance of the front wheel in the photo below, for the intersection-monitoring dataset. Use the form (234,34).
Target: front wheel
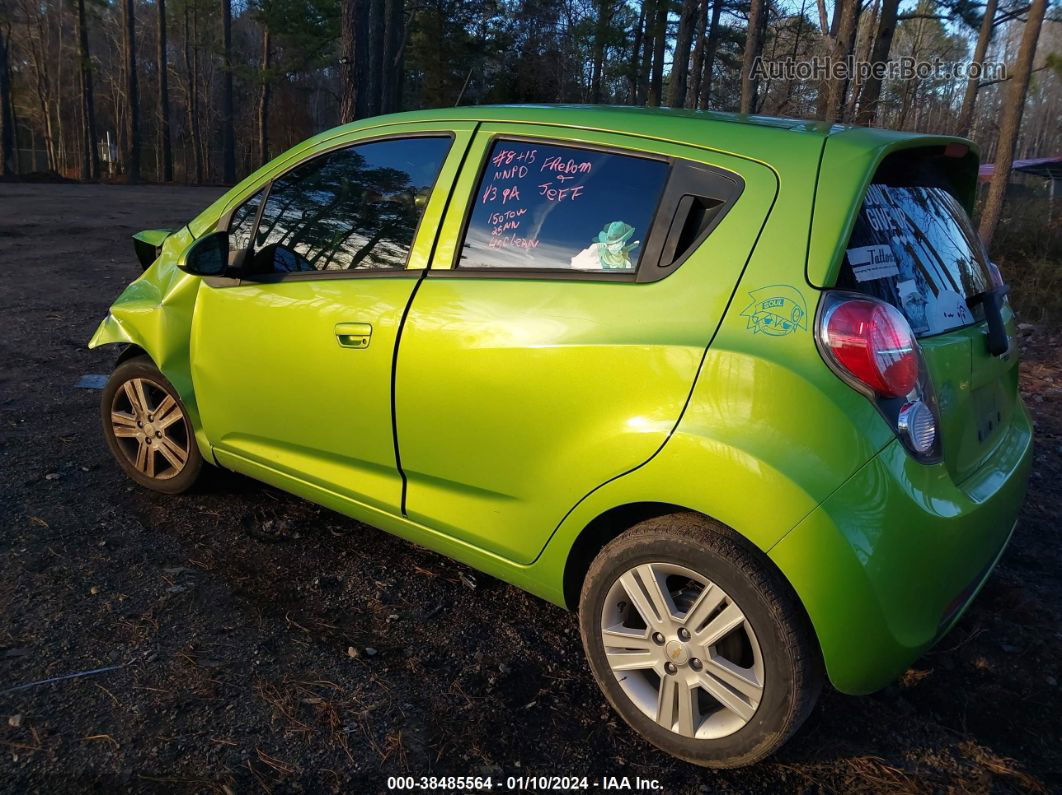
(698,642)
(147,428)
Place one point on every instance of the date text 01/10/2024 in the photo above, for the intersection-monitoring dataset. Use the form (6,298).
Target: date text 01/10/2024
(524,783)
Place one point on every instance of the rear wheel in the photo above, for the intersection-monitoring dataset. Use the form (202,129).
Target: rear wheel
(147,428)
(697,642)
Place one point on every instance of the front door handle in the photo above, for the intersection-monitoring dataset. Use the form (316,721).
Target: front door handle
(353,335)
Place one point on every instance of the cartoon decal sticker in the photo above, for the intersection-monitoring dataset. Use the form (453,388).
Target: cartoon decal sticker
(914,305)
(610,250)
(778,310)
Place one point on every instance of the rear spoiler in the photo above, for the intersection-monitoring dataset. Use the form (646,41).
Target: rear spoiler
(850,161)
(148,245)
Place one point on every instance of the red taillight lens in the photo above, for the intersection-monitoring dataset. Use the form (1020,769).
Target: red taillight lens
(874,343)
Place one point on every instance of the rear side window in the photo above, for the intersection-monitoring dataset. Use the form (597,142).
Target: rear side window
(549,207)
(915,248)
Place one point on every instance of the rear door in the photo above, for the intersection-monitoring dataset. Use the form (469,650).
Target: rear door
(914,246)
(554,341)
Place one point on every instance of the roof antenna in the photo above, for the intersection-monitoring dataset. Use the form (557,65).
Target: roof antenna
(462,94)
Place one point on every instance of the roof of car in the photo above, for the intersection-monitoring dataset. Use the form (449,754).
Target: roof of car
(767,138)
(625,117)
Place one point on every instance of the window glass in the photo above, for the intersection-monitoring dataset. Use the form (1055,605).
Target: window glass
(241,225)
(355,208)
(546,206)
(916,248)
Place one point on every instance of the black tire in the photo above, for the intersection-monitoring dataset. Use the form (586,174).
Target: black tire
(791,663)
(169,478)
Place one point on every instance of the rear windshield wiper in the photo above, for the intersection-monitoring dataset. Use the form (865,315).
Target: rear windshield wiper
(998,341)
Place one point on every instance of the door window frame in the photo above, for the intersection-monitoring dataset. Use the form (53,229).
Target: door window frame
(680,180)
(266,188)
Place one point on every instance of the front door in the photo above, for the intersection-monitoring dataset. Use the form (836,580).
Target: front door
(292,364)
(556,338)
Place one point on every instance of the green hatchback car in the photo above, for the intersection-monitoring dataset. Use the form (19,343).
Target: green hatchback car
(741,391)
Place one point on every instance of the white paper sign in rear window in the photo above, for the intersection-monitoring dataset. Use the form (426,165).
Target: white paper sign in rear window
(872,262)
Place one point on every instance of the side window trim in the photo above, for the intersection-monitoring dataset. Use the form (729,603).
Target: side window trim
(683,178)
(688,182)
(267,187)
(226,224)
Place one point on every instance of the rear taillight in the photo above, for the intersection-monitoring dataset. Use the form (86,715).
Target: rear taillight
(874,343)
(869,343)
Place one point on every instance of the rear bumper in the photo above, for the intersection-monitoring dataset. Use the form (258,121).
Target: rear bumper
(888,563)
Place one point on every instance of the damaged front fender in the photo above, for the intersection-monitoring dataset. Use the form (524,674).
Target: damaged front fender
(110,332)
(155,313)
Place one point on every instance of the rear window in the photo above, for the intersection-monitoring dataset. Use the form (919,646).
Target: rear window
(915,248)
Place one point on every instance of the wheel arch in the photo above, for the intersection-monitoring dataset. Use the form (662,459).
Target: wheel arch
(597,533)
(612,523)
(169,355)
(131,351)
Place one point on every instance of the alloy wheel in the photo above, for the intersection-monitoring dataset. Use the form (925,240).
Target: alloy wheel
(150,428)
(682,650)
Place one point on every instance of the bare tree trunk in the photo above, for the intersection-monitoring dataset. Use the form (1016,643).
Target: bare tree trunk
(374,54)
(633,68)
(263,99)
(847,83)
(647,50)
(697,67)
(1010,121)
(832,97)
(680,64)
(58,97)
(228,133)
(132,91)
(191,62)
(43,85)
(879,54)
(753,46)
(353,92)
(165,144)
(393,41)
(710,48)
(604,18)
(7,118)
(969,99)
(798,23)
(656,79)
(90,159)
(864,41)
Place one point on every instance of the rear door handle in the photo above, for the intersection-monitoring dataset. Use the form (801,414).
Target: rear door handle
(353,335)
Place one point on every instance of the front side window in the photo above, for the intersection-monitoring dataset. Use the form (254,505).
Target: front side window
(548,207)
(915,248)
(352,209)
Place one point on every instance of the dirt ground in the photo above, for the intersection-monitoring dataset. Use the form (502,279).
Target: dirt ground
(336,655)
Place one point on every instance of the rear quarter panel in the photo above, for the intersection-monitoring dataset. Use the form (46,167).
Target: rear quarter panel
(769,431)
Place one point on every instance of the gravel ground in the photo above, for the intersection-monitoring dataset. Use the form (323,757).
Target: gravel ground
(334,655)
